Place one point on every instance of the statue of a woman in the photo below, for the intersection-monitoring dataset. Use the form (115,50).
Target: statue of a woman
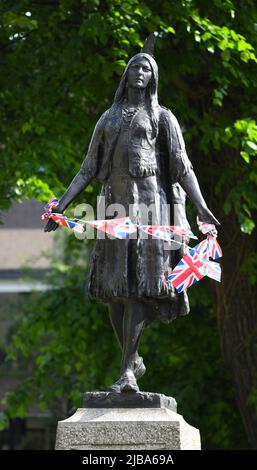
(138,154)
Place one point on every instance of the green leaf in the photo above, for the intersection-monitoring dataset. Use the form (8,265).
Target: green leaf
(245,156)
(171,30)
(223,45)
(247,226)
(252,145)
(137,11)
(17,22)
(26,127)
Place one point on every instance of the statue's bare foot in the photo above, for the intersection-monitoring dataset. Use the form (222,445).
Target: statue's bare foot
(128,382)
(139,370)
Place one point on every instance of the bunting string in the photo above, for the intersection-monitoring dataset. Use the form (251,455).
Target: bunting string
(195,263)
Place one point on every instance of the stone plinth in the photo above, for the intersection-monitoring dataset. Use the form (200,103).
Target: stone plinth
(152,425)
(128,400)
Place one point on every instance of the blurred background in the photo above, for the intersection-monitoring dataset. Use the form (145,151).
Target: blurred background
(61,61)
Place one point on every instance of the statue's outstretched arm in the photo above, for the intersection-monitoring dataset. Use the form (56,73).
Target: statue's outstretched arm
(78,184)
(190,185)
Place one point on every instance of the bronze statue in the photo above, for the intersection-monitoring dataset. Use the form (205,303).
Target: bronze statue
(138,154)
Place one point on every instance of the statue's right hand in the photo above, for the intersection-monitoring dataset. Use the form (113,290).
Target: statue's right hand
(51,224)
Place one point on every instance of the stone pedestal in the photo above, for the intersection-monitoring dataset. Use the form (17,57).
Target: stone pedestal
(126,421)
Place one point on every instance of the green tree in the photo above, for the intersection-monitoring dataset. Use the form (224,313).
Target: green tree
(61,61)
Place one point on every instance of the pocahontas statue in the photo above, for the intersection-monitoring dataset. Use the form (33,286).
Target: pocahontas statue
(138,153)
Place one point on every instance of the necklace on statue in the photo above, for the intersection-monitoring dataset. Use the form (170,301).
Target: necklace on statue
(128,111)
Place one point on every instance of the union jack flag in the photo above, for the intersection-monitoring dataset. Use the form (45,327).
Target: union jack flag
(202,249)
(52,203)
(118,228)
(166,232)
(212,269)
(188,271)
(63,220)
(209,248)
(204,227)
(157,231)
(60,218)
(214,248)
(183,231)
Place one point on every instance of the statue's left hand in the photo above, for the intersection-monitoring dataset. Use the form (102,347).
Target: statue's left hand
(205,215)
(51,224)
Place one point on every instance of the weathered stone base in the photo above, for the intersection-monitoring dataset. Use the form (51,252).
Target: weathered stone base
(128,400)
(127,428)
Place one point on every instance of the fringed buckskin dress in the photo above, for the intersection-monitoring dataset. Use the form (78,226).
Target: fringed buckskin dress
(138,163)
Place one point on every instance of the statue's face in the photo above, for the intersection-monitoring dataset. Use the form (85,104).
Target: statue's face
(139,73)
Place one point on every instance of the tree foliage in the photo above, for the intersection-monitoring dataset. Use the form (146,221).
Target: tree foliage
(61,62)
